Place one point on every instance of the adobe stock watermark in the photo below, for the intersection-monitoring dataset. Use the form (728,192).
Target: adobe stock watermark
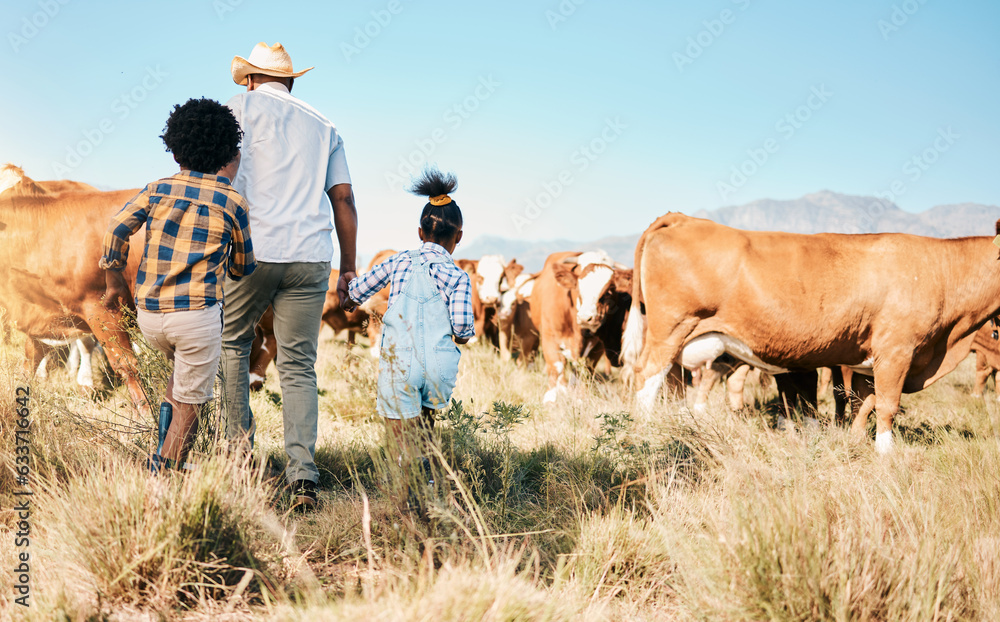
(32,25)
(370,30)
(786,126)
(223,8)
(713,29)
(453,117)
(901,14)
(562,12)
(121,107)
(580,161)
(915,167)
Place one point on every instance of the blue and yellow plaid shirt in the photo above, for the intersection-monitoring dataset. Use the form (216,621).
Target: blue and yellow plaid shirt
(196,230)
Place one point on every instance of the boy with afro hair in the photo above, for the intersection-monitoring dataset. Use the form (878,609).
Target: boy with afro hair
(197,231)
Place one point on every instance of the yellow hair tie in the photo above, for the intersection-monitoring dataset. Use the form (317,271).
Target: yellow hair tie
(441,199)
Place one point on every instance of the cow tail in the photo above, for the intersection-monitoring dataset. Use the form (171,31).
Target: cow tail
(635,327)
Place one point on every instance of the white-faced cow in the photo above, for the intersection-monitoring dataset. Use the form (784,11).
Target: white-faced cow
(907,314)
(518,332)
(570,301)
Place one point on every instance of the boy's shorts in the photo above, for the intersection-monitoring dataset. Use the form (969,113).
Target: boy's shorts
(193,341)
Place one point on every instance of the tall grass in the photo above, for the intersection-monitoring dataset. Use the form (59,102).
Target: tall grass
(583,510)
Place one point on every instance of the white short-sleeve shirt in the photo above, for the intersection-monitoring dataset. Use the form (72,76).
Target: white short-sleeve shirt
(291,155)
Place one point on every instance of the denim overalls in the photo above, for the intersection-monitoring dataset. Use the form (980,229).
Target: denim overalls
(418,364)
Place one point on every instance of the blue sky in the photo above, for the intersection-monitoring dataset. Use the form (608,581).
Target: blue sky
(562,119)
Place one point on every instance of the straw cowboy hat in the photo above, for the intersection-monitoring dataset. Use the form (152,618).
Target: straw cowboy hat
(270,60)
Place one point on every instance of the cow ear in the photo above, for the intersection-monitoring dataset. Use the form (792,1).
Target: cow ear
(623,281)
(564,276)
(513,270)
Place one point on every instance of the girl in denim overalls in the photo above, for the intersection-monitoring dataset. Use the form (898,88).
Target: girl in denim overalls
(430,311)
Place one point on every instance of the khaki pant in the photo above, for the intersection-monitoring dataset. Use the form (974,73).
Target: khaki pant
(193,341)
(297,292)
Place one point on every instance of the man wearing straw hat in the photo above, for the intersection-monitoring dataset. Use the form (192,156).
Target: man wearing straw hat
(294,176)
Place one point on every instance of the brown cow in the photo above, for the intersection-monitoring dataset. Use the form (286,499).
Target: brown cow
(57,295)
(908,314)
(569,304)
(16,184)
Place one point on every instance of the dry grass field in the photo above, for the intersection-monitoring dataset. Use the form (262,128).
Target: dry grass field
(582,511)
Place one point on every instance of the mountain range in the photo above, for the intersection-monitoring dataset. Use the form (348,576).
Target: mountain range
(819,212)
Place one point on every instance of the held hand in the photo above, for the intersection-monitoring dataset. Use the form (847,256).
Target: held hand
(345,299)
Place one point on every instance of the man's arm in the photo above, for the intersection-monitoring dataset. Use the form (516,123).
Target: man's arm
(345,219)
(114,254)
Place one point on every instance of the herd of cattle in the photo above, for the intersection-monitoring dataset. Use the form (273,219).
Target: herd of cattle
(889,313)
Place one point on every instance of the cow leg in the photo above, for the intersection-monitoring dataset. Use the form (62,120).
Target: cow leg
(709,377)
(83,349)
(491,326)
(841,394)
(36,357)
(825,380)
(504,341)
(889,379)
(527,345)
(375,334)
(797,389)
(117,347)
(659,358)
(862,402)
(596,361)
(983,372)
(555,367)
(350,337)
(262,352)
(734,387)
(42,370)
(75,357)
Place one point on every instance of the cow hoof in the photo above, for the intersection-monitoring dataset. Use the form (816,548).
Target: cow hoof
(812,423)
(700,409)
(883,442)
(783,424)
(552,394)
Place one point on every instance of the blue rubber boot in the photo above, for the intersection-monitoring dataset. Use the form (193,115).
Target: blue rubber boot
(156,462)
(166,416)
